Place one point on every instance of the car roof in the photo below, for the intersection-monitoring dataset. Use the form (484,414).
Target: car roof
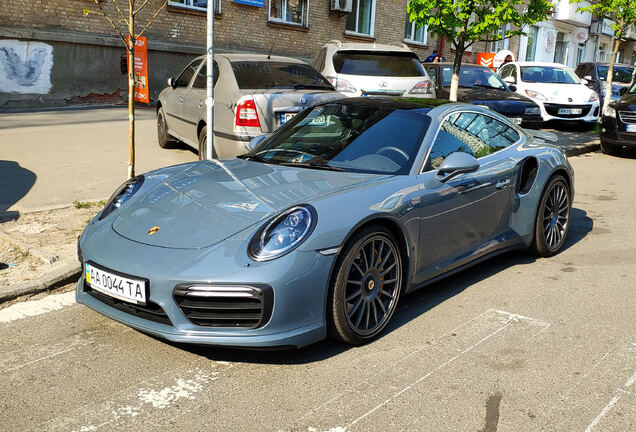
(256,58)
(607,64)
(528,63)
(359,46)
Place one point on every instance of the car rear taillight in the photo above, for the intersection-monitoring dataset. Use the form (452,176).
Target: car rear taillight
(422,87)
(246,114)
(342,85)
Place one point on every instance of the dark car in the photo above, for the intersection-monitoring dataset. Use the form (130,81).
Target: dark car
(618,128)
(479,85)
(596,76)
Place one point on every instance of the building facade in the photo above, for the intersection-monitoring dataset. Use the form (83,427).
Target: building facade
(52,53)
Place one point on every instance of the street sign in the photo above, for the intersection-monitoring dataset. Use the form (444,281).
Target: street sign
(142,93)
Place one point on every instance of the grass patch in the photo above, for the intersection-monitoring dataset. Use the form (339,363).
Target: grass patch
(88,204)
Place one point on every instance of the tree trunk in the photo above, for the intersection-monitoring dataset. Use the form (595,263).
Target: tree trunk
(131,94)
(610,72)
(459,54)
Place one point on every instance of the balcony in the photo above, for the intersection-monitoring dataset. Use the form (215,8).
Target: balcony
(567,12)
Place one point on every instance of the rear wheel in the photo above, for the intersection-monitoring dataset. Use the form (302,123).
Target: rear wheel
(164,139)
(366,288)
(610,149)
(203,144)
(553,218)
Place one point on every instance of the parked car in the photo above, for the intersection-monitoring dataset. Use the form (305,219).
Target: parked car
(560,94)
(324,225)
(479,85)
(253,94)
(618,125)
(361,69)
(596,76)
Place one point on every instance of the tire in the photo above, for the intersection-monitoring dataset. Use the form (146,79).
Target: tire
(203,142)
(553,218)
(164,139)
(364,293)
(609,149)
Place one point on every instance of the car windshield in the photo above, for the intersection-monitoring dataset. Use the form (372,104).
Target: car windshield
(375,63)
(274,74)
(347,137)
(548,74)
(621,74)
(473,77)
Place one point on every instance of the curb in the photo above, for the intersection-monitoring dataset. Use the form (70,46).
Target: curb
(52,279)
(582,150)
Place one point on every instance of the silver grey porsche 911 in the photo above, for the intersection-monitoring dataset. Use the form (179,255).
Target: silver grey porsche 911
(324,225)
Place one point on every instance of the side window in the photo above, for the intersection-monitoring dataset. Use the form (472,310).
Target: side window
(187,74)
(472,133)
(201,79)
(319,61)
(504,72)
(432,73)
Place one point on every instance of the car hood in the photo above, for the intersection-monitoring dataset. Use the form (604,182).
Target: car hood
(502,101)
(562,93)
(627,102)
(210,201)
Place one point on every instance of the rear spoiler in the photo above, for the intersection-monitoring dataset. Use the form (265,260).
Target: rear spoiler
(548,137)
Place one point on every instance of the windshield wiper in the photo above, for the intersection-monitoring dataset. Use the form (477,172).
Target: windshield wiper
(311,86)
(315,165)
(254,157)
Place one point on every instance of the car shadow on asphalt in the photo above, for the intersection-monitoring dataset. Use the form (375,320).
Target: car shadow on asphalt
(410,307)
(15,183)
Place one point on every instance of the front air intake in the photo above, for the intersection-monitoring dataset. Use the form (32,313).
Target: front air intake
(234,306)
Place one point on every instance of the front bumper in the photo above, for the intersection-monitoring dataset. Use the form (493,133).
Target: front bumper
(299,283)
(549,111)
(614,133)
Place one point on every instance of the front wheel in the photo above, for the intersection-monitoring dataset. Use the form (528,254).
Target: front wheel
(366,288)
(610,149)
(553,218)
(163,138)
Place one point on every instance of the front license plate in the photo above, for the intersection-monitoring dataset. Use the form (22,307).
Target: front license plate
(516,120)
(285,117)
(631,128)
(570,111)
(124,288)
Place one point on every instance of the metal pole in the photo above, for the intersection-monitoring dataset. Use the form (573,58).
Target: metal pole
(209,101)
(599,31)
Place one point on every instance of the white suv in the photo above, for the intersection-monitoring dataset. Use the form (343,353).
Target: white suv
(560,94)
(360,69)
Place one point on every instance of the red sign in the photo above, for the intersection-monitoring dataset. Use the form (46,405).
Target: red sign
(486,59)
(141,70)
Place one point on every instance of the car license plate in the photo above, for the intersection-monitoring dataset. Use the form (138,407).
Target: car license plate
(516,120)
(285,117)
(122,287)
(570,111)
(631,128)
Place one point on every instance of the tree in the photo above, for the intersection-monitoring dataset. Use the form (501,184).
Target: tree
(624,11)
(122,19)
(465,22)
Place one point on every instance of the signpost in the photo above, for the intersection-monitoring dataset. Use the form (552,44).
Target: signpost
(209,101)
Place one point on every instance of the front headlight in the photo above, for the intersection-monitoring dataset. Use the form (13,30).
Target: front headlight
(610,111)
(121,195)
(283,234)
(536,95)
(593,97)
(532,110)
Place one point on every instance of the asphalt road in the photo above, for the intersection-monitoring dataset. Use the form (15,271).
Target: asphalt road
(514,344)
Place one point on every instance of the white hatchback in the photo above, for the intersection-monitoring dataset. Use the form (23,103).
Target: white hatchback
(560,94)
(361,69)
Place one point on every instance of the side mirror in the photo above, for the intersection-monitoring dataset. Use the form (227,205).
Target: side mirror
(510,80)
(172,82)
(455,164)
(512,87)
(587,77)
(257,140)
(584,81)
(622,91)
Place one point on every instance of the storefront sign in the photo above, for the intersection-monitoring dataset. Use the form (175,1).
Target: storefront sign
(141,70)
(257,3)
(580,35)
(607,27)
(550,41)
(501,56)
(486,59)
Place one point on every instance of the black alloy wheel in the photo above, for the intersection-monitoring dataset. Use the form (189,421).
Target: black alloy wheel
(553,217)
(367,286)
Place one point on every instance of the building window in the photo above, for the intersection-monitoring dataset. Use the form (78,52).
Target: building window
(412,34)
(196,4)
(295,12)
(501,44)
(362,17)
(532,43)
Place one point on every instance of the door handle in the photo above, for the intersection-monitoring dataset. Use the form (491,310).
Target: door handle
(201,103)
(180,100)
(503,183)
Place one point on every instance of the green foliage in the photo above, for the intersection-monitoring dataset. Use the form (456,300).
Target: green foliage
(467,21)
(622,11)
(88,204)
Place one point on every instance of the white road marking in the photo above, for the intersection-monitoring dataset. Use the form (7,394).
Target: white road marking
(184,388)
(31,308)
(607,408)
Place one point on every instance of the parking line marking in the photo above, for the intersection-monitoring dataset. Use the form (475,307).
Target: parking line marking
(607,408)
(41,306)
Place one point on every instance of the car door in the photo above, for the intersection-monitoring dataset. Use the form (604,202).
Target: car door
(176,99)
(194,101)
(466,213)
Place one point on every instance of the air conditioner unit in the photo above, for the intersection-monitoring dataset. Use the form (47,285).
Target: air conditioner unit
(342,5)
